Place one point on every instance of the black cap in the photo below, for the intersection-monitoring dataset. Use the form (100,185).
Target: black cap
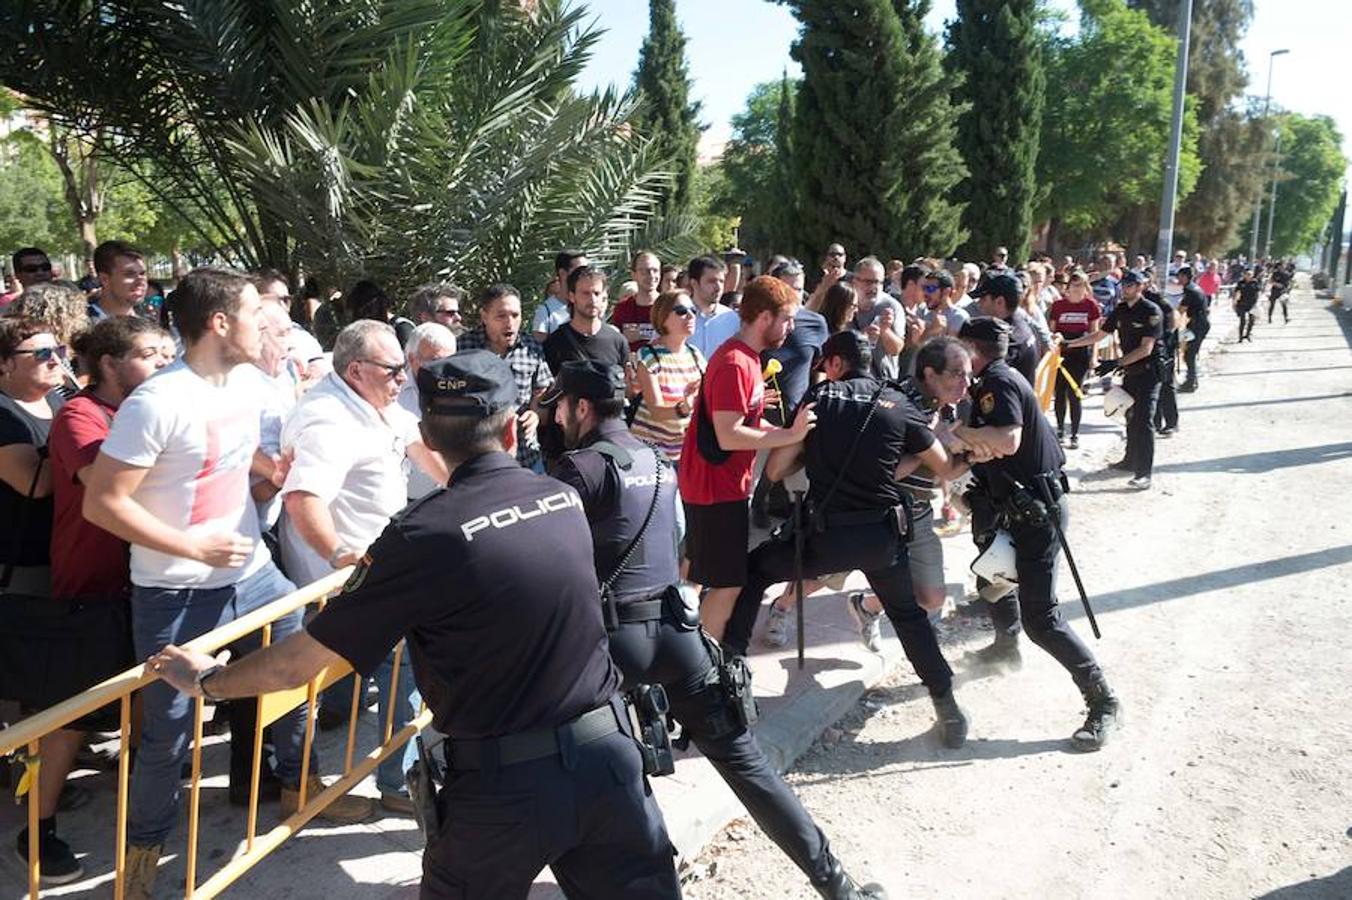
(588,379)
(1184,272)
(1131,276)
(851,346)
(984,328)
(470,383)
(1001,284)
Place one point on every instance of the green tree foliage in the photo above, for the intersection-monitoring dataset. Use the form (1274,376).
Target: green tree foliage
(1309,180)
(754,184)
(995,50)
(1107,119)
(33,210)
(395,140)
(667,115)
(1230,140)
(873,158)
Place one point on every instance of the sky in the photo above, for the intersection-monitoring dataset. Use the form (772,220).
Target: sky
(733,45)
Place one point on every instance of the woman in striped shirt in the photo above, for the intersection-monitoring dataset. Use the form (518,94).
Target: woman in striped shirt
(669,373)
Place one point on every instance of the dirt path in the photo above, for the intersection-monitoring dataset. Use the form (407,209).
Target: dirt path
(1223,595)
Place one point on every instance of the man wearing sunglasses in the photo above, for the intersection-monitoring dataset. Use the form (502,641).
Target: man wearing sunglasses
(939,314)
(348,439)
(440,303)
(31,266)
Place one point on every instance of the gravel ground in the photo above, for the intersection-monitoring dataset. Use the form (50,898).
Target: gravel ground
(1223,603)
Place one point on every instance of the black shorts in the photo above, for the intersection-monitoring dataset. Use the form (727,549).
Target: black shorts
(716,538)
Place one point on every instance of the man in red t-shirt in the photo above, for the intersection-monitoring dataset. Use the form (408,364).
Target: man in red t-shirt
(633,315)
(727,428)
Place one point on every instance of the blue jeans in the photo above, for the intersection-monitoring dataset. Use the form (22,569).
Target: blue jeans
(163,616)
(338,696)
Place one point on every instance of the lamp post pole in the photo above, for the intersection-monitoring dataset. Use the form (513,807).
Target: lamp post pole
(1258,200)
(1164,244)
(1272,206)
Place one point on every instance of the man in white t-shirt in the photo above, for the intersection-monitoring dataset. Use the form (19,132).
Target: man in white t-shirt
(553,311)
(348,441)
(172,479)
(431,341)
(276,379)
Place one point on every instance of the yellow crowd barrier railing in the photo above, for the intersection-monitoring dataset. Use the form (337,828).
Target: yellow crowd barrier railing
(1044,378)
(25,736)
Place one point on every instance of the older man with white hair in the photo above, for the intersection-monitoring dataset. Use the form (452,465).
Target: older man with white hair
(349,439)
(430,341)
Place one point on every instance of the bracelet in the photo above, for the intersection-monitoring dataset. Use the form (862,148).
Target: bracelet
(202,677)
(340,550)
(682,408)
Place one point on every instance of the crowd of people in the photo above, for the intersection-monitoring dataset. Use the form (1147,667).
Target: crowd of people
(174,460)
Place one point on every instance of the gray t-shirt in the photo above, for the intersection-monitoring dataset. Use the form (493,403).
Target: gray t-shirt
(954,318)
(884,366)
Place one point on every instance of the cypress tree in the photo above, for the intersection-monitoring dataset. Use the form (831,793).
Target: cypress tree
(872,159)
(996,48)
(668,116)
(782,224)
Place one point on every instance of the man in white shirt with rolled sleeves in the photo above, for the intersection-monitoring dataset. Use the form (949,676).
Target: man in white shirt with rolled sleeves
(348,439)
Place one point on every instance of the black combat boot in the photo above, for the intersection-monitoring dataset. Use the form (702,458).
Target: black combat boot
(952,722)
(840,886)
(1105,716)
(1003,652)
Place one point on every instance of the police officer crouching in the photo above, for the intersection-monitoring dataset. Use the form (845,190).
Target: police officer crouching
(629,493)
(860,514)
(1019,488)
(541,765)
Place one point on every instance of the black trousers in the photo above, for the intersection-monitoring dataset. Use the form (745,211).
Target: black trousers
(1166,408)
(1034,607)
(881,556)
(1247,319)
(1273,300)
(680,660)
(1076,362)
(593,821)
(1190,354)
(1144,388)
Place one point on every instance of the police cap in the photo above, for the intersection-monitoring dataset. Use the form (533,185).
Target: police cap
(1001,284)
(588,379)
(984,328)
(470,383)
(851,346)
(1131,276)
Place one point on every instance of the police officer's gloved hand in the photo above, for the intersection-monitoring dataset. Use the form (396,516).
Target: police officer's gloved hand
(1106,366)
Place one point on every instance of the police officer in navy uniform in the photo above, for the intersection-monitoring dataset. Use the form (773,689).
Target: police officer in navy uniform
(542,768)
(1198,309)
(629,493)
(1020,486)
(998,296)
(871,436)
(1139,324)
(1166,361)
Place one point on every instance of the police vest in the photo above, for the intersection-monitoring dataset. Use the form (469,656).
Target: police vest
(653,565)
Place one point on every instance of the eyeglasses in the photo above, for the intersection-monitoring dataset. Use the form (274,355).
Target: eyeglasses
(43,354)
(931,288)
(868,280)
(964,374)
(452,313)
(391,370)
(683,310)
(35,267)
(836,254)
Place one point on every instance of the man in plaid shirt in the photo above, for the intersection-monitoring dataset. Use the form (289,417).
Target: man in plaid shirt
(499,330)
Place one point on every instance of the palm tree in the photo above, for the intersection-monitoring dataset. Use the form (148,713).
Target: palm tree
(389,139)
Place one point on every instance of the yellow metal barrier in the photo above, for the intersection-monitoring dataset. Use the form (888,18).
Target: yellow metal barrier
(25,736)
(1044,377)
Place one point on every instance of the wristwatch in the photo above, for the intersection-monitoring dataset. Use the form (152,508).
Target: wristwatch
(202,677)
(682,408)
(340,550)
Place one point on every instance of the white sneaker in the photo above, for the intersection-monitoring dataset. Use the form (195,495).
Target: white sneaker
(870,627)
(1140,483)
(777,628)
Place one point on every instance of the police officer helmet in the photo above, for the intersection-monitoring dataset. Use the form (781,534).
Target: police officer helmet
(996,563)
(1001,284)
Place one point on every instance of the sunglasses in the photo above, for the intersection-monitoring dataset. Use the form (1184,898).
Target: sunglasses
(43,354)
(38,267)
(453,313)
(683,310)
(391,371)
(931,288)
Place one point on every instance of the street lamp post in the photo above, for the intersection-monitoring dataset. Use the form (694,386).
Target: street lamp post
(1258,201)
(1164,244)
(1272,206)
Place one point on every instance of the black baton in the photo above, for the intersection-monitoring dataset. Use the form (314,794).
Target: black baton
(1054,513)
(799,526)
